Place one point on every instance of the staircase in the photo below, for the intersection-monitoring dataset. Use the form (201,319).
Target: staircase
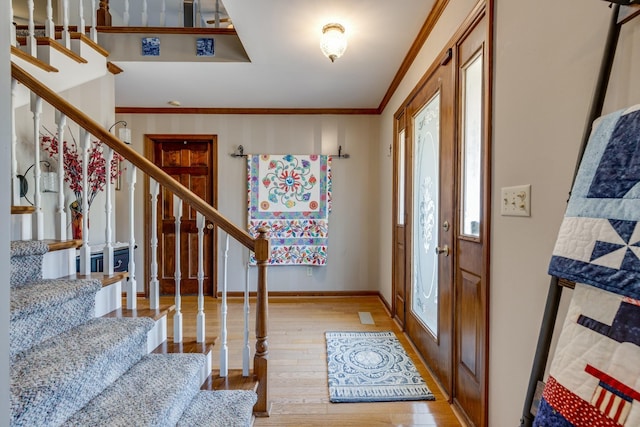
(70,368)
(77,356)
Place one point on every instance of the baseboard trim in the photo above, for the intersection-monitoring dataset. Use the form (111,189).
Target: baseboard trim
(276,294)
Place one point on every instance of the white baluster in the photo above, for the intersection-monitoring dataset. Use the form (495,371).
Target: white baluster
(154,285)
(177,317)
(66,37)
(107,252)
(125,15)
(145,15)
(38,216)
(14,141)
(198,20)
(224,349)
(200,332)
(95,5)
(61,216)
(85,250)
(217,14)
(246,349)
(32,45)
(163,14)
(180,15)
(132,289)
(49,26)
(81,16)
(14,41)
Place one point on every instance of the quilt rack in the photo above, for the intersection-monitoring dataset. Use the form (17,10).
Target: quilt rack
(623,12)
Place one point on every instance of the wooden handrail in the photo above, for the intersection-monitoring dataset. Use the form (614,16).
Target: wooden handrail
(144,164)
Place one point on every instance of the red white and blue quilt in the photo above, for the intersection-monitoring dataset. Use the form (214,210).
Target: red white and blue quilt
(594,378)
(291,196)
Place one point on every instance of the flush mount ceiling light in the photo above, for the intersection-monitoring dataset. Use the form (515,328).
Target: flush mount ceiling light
(333,42)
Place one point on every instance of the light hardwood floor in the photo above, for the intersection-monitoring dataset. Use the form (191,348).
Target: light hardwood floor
(297,361)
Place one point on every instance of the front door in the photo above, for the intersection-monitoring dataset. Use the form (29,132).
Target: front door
(430,215)
(191,160)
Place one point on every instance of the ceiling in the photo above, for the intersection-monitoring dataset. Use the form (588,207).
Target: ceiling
(287,68)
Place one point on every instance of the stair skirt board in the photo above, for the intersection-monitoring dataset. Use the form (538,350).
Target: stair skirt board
(154,392)
(225,408)
(56,378)
(46,308)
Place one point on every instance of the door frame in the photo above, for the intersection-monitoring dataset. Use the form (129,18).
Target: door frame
(149,143)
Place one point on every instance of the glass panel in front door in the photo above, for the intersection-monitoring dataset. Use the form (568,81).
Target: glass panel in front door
(426,149)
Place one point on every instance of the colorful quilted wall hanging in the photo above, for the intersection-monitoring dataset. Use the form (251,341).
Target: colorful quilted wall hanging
(594,379)
(291,195)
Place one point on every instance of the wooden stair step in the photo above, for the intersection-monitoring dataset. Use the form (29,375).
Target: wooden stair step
(107,279)
(233,381)
(154,314)
(58,245)
(186,346)
(21,210)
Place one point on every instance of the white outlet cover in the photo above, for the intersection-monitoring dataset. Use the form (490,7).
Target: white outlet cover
(516,200)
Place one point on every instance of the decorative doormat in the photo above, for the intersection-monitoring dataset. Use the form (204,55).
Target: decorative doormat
(371,367)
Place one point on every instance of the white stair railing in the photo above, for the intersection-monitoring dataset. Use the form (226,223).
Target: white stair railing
(145,16)
(132,289)
(177,317)
(107,252)
(224,348)
(163,13)
(61,216)
(154,285)
(49,27)
(31,37)
(66,36)
(85,250)
(38,216)
(200,328)
(94,20)
(125,16)
(81,16)
(246,348)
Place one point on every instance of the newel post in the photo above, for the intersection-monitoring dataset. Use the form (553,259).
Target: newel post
(104,16)
(261,357)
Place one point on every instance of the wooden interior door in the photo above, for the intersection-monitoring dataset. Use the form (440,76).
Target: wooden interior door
(399,218)
(430,214)
(471,289)
(190,159)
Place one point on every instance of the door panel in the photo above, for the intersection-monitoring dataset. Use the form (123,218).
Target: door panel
(471,306)
(430,205)
(191,161)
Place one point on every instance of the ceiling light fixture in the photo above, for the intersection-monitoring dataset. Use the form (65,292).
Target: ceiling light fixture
(334,41)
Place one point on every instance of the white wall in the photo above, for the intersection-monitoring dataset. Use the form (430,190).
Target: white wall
(5,217)
(352,227)
(547,55)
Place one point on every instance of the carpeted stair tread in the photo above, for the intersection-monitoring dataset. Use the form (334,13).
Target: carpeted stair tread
(28,247)
(225,408)
(54,379)
(42,294)
(154,392)
(45,308)
(26,261)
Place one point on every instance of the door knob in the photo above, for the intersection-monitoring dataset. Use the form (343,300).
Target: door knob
(210,226)
(442,250)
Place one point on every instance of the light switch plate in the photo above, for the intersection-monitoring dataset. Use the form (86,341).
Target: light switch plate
(516,201)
